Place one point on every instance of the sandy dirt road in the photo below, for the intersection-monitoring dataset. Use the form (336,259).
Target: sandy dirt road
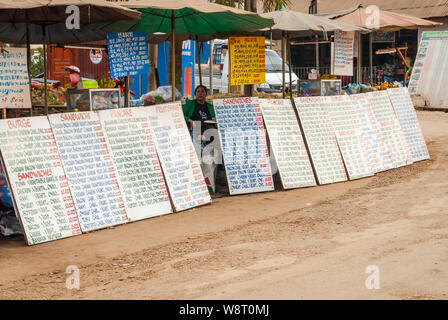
(312,243)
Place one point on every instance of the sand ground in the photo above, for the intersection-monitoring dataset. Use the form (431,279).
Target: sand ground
(312,243)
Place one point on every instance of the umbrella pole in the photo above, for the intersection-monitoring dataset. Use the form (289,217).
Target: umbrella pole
(45,71)
(173,64)
(28,60)
(199,60)
(317,54)
(283,64)
(370,58)
(210,67)
(290,66)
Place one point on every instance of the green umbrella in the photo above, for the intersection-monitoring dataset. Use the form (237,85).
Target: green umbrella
(193,19)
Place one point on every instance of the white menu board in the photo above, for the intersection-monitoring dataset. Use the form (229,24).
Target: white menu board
(89,168)
(342,53)
(404,109)
(134,154)
(390,128)
(179,160)
(243,140)
(321,139)
(287,143)
(371,136)
(348,135)
(37,180)
(14,79)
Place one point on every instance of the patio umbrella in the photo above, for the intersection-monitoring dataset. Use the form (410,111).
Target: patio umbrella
(50,17)
(292,23)
(385,20)
(188,19)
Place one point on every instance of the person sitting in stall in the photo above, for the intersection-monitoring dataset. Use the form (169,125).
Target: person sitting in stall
(200,116)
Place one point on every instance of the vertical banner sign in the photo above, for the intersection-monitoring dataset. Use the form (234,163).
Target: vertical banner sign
(90,170)
(247,60)
(188,58)
(14,80)
(430,73)
(38,183)
(139,173)
(390,128)
(287,143)
(371,136)
(128,53)
(404,109)
(321,139)
(343,53)
(348,135)
(179,160)
(243,140)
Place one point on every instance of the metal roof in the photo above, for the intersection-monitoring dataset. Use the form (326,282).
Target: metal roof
(416,8)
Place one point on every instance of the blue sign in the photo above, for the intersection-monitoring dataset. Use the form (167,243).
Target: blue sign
(128,53)
(188,58)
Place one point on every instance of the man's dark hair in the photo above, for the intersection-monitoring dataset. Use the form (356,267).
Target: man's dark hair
(200,86)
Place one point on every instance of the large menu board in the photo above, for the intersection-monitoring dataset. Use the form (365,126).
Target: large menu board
(177,155)
(348,135)
(321,139)
(90,171)
(139,173)
(390,128)
(42,197)
(371,136)
(243,141)
(342,58)
(404,109)
(287,143)
(14,79)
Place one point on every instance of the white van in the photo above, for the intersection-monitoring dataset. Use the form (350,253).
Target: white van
(273,65)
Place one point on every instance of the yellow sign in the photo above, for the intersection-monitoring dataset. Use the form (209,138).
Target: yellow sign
(247,60)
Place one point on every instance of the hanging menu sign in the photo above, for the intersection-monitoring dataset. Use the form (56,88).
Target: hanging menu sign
(139,173)
(321,139)
(128,53)
(287,143)
(348,135)
(90,170)
(179,160)
(404,109)
(38,183)
(247,60)
(372,139)
(343,53)
(390,128)
(14,79)
(243,141)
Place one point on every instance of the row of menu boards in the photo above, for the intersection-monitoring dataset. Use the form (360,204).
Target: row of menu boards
(71,173)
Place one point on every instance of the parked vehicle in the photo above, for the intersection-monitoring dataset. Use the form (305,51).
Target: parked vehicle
(220,71)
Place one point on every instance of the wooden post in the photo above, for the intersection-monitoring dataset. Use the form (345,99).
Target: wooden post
(199,60)
(359,58)
(210,67)
(126,92)
(371,58)
(28,60)
(45,70)
(290,66)
(229,72)
(173,64)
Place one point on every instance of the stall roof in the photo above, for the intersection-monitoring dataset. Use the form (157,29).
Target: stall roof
(417,8)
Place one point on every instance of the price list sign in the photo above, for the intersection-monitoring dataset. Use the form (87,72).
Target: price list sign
(390,128)
(89,168)
(134,154)
(404,109)
(37,179)
(343,53)
(247,60)
(179,160)
(243,140)
(321,139)
(128,53)
(371,136)
(348,135)
(287,143)
(14,80)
